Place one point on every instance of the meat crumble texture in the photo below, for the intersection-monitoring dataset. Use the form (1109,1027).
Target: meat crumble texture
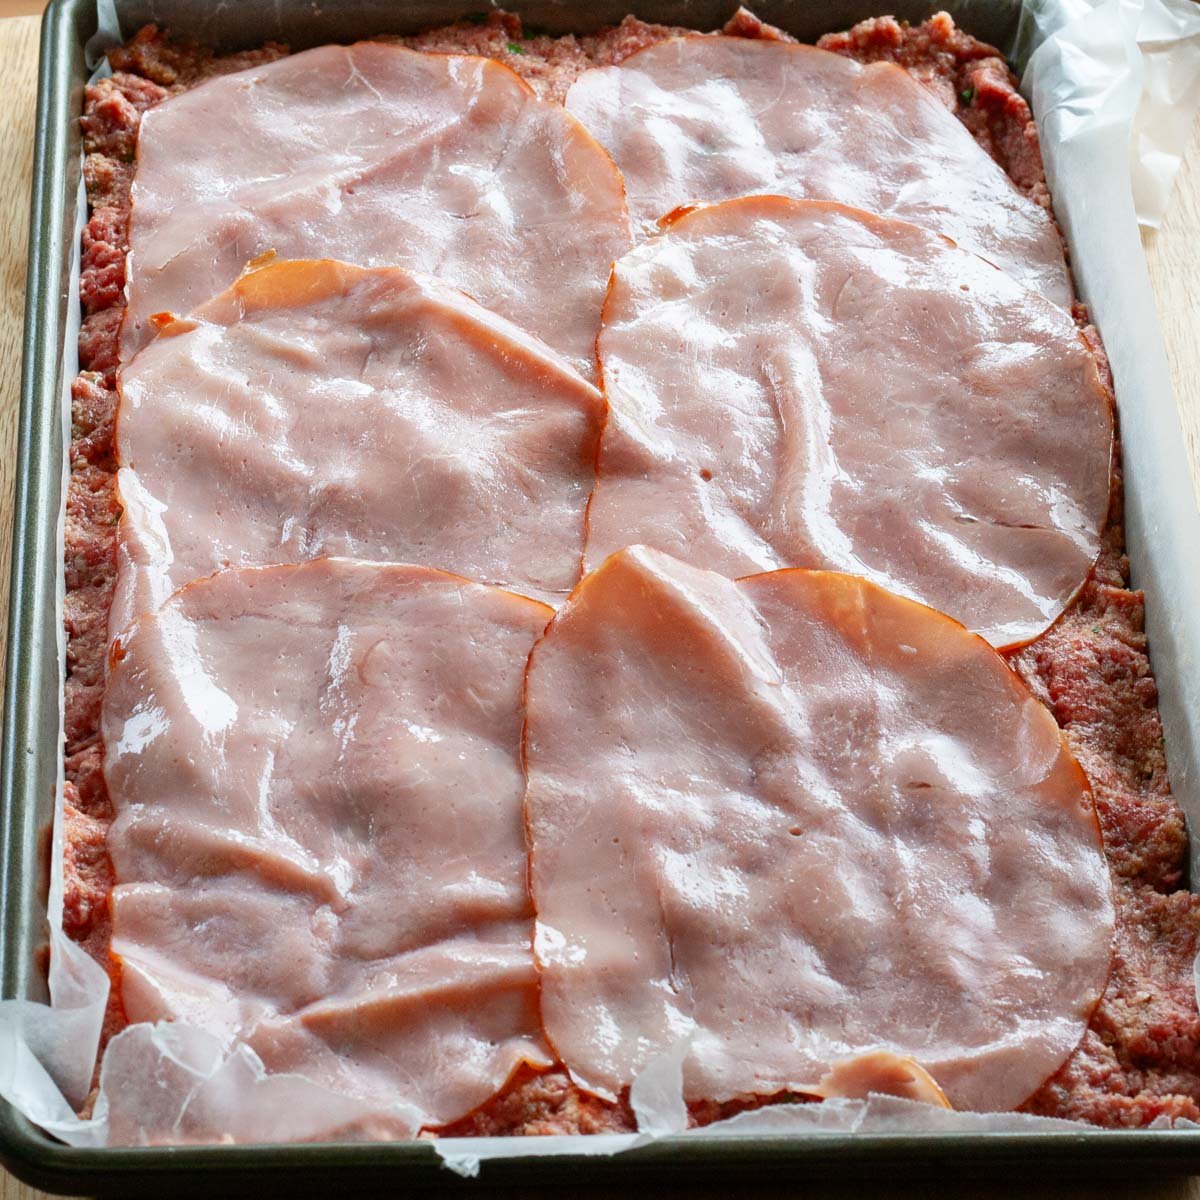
(1140,1057)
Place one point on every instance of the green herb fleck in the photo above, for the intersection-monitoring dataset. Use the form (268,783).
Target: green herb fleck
(476,18)
(967,96)
(1095,628)
(513,48)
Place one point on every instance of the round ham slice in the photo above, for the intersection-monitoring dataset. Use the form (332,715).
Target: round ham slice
(794,383)
(701,119)
(318,408)
(379,155)
(319,845)
(793,819)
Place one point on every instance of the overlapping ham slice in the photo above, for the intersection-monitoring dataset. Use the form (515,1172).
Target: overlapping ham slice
(794,383)
(796,818)
(318,408)
(704,119)
(378,155)
(319,844)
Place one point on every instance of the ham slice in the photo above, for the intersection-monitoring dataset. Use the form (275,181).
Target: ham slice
(710,118)
(883,1073)
(318,408)
(378,155)
(793,819)
(794,383)
(319,845)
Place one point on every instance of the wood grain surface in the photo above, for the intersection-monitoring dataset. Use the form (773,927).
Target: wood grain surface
(1173,253)
(18,82)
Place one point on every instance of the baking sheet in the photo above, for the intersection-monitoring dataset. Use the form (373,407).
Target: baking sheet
(1113,85)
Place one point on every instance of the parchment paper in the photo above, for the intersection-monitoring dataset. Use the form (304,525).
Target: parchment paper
(1114,85)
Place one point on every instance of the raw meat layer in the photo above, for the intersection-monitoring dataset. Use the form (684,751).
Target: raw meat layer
(1139,1058)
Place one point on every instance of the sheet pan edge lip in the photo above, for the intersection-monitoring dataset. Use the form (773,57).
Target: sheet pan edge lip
(37,1157)
(30,1151)
(35,485)
(48,1164)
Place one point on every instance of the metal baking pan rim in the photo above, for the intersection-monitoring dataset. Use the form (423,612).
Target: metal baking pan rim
(28,758)
(190,1170)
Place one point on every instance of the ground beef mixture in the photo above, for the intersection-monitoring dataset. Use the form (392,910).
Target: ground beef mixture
(1140,1057)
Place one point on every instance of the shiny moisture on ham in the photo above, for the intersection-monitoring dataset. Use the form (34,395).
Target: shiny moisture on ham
(795,818)
(703,119)
(317,408)
(795,383)
(381,156)
(319,845)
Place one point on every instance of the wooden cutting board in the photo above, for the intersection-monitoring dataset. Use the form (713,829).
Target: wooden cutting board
(1174,257)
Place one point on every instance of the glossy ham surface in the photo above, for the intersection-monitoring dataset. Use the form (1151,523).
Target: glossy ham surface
(883,1073)
(316,408)
(704,119)
(378,155)
(793,819)
(1137,1062)
(319,844)
(795,383)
